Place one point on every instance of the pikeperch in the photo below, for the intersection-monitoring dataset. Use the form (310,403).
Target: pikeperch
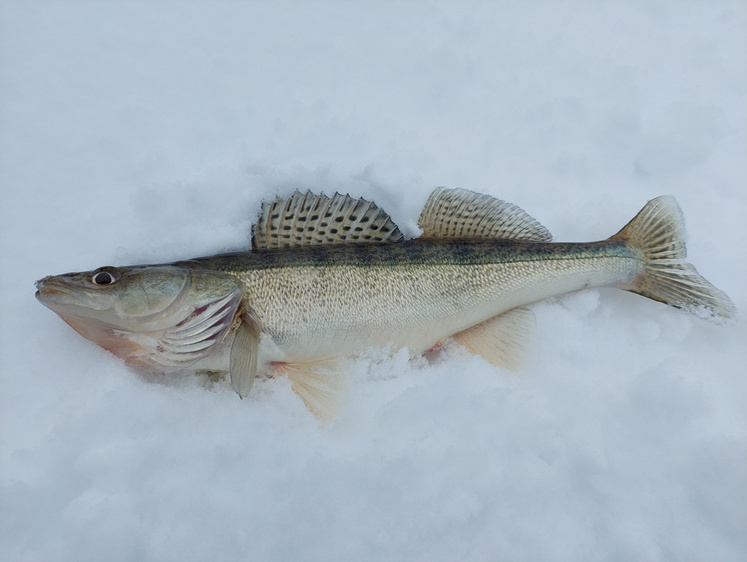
(329,277)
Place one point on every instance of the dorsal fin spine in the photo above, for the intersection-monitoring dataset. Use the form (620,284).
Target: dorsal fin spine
(306,219)
(331,214)
(298,213)
(316,210)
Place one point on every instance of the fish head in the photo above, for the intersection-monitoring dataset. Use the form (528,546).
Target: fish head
(164,316)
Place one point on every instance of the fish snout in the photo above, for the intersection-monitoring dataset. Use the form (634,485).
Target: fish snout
(56,291)
(41,287)
(41,283)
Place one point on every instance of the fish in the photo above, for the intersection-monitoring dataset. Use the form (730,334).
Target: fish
(329,277)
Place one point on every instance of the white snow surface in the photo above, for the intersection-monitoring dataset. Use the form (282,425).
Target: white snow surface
(146,132)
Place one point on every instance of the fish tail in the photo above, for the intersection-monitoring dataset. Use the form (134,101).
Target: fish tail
(658,232)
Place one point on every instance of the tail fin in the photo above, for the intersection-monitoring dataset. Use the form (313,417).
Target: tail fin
(658,232)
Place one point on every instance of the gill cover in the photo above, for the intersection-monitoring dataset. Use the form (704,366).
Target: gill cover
(163,317)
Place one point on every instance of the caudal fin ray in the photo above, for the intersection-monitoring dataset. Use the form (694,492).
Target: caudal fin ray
(658,232)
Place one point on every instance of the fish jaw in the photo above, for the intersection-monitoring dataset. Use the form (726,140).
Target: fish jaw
(117,342)
(66,296)
(65,293)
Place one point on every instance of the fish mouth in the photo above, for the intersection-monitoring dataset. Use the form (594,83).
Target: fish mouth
(46,287)
(61,293)
(46,293)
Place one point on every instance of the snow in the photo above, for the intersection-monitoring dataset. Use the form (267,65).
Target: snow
(145,132)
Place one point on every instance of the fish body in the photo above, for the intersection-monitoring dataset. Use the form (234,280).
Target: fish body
(329,277)
(412,294)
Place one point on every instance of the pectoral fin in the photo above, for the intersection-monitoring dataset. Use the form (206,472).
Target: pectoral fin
(504,340)
(243,359)
(322,385)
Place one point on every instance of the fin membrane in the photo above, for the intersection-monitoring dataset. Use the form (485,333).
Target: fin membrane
(658,232)
(460,213)
(243,357)
(322,385)
(504,340)
(308,219)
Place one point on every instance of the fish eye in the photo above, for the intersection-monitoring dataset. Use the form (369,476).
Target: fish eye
(105,276)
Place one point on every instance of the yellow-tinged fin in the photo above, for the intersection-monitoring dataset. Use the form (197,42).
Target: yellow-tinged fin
(658,232)
(504,340)
(460,213)
(243,357)
(308,219)
(322,385)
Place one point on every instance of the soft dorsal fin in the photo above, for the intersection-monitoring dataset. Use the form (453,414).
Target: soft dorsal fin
(308,219)
(460,213)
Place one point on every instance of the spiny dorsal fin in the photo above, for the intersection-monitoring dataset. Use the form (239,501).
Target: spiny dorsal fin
(460,213)
(308,219)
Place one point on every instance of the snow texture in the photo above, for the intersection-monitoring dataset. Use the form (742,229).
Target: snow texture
(151,131)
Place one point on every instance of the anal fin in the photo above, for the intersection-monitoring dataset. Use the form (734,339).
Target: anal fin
(504,340)
(322,385)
